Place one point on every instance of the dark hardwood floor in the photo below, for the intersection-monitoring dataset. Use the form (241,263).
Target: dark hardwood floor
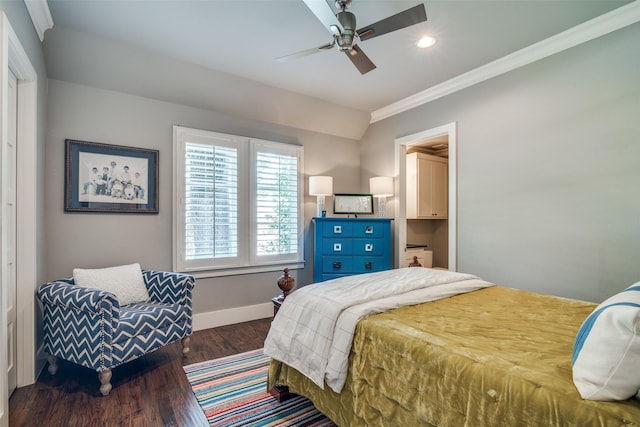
(149,391)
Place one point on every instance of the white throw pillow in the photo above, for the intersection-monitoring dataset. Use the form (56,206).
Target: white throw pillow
(125,281)
(606,353)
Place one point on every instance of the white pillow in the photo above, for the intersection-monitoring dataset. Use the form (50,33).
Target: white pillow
(124,281)
(606,353)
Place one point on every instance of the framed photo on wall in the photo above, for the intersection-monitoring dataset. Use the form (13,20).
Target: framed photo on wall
(110,178)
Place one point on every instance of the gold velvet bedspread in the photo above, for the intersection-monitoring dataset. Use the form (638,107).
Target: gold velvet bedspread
(493,357)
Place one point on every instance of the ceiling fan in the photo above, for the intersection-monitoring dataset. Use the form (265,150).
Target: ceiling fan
(342,26)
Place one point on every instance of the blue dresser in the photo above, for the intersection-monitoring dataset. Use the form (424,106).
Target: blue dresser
(347,246)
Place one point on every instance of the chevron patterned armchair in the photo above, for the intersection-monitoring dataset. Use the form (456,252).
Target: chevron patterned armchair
(89,327)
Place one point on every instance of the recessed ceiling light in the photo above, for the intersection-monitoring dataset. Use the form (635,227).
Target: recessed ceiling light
(425,41)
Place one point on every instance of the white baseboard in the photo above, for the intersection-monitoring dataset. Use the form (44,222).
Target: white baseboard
(230,316)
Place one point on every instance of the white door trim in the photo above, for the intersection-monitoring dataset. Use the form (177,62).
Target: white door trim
(14,57)
(401,145)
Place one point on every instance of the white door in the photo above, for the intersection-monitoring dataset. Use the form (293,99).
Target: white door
(9,239)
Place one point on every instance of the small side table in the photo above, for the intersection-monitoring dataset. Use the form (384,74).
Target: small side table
(285,283)
(277,303)
(280,392)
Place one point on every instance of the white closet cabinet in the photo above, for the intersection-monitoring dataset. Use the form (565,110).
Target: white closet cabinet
(427,186)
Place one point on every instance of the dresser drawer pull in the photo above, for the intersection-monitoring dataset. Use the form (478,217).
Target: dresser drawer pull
(368,247)
(337,229)
(368,265)
(337,247)
(368,229)
(337,265)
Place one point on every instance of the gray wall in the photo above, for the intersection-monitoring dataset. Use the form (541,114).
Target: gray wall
(101,240)
(548,176)
(89,60)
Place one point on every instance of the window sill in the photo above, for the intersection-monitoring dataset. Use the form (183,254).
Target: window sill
(238,271)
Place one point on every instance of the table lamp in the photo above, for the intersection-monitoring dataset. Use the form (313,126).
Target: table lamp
(381,187)
(321,186)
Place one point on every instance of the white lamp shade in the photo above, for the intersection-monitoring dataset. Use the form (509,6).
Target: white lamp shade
(320,185)
(381,186)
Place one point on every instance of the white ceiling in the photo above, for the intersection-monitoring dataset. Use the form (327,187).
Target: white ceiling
(243,38)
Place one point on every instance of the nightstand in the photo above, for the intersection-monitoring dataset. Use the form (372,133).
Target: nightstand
(286,284)
(277,303)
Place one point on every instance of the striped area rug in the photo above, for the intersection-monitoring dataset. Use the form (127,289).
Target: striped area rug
(232,391)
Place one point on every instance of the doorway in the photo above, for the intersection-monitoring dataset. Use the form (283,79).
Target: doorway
(428,137)
(8,214)
(15,60)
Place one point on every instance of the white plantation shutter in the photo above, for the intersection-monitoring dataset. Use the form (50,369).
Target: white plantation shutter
(210,202)
(277,200)
(237,203)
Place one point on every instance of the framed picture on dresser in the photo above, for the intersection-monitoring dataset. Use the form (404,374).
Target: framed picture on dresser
(353,204)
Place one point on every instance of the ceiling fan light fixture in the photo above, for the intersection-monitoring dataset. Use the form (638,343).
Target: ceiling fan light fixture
(426,41)
(342,26)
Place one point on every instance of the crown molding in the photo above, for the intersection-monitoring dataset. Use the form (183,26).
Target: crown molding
(40,16)
(594,28)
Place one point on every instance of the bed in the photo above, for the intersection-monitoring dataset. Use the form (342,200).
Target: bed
(493,356)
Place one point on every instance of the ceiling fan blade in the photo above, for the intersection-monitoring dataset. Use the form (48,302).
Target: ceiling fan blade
(360,60)
(409,17)
(305,52)
(325,14)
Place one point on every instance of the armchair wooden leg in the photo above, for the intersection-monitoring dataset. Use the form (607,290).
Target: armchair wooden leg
(185,345)
(53,364)
(105,381)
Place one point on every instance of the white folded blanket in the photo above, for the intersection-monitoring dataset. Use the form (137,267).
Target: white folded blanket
(314,328)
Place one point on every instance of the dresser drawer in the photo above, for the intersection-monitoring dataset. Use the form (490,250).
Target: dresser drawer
(337,246)
(369,264)
(368,229)
(368,246)
(347,265)
(337,264)
(337,229)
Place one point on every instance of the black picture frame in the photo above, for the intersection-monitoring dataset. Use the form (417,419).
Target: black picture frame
(107,178)
(353,204)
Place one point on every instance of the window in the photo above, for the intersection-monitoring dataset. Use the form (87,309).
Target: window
(237,203)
